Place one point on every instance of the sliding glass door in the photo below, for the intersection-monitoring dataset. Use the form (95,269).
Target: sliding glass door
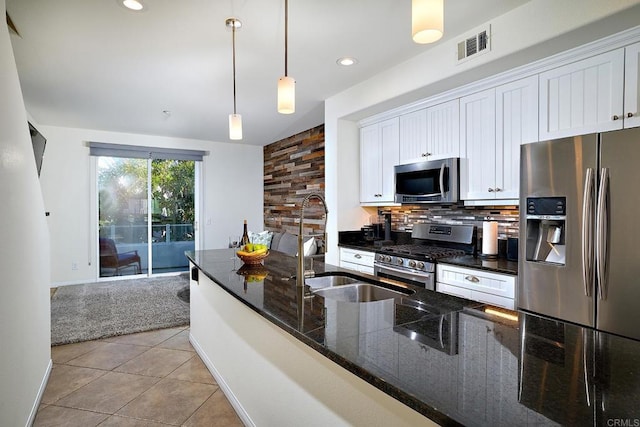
(172,213)
(146,215)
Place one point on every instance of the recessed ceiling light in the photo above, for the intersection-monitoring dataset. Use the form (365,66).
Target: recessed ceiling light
(133,4)
(347,61)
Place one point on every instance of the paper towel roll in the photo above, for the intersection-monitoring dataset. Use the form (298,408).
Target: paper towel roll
(489,238)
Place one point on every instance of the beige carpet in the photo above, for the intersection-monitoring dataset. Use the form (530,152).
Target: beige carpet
(99,310)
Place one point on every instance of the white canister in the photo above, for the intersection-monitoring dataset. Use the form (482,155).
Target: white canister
(490,238)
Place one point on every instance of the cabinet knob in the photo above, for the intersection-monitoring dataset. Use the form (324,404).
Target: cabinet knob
(490,190)
(629,115)
(615,117)
(498,189)
(473,279)
(357,256)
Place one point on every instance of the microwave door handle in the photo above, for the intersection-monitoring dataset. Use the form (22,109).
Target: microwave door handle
(431,195)
(587,232)
(442,180)
(602,226)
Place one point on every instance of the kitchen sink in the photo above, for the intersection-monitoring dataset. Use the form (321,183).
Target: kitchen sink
(360,292)
(329,281)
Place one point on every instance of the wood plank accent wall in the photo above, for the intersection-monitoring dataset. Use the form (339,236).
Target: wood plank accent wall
(294,168)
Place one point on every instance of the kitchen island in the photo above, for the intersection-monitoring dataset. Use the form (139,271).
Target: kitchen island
(286,356)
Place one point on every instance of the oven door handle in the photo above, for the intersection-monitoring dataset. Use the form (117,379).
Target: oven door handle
(403,273)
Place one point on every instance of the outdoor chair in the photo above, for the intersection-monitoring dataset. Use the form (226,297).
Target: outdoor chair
(110,258)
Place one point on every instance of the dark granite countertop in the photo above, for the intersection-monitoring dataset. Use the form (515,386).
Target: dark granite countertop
(453,360)
(364,246)
(499,265)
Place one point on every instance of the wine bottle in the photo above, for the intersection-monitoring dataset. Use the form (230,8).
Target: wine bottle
(245,235)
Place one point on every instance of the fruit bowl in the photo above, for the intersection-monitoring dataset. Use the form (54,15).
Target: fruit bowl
(253,259)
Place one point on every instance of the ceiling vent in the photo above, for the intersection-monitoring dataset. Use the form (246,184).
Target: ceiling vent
(474,45)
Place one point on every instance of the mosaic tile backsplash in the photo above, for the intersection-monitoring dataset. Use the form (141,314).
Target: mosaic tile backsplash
(403,217)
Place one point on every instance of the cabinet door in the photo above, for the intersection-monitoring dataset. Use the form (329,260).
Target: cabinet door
(443,130)
(413,137)
(477,141)
(370,164)
(631,87)
(516,124)
(389,157)
(582,97)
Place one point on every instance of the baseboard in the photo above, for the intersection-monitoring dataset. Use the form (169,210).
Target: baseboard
(73,282)
(113,278)
(36,404)
(237,406)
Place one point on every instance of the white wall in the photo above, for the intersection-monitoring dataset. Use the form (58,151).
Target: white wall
(24,256)
(231,191)
(517,38)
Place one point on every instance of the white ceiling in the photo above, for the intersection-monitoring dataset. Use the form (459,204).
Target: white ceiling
(94,64)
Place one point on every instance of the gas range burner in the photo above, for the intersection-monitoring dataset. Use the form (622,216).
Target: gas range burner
(425,252)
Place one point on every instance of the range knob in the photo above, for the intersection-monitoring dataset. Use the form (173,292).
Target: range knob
(412,264)
(399,261)
(420,265)
(387,258)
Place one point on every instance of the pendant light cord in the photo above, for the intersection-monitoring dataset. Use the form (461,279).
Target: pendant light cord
(286,35)
(233,43)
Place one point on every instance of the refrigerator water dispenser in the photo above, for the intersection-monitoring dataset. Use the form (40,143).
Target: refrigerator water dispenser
(545,230)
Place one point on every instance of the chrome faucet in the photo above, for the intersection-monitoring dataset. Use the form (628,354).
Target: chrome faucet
(300,273)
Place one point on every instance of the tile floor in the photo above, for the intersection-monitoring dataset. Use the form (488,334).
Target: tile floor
(148,379)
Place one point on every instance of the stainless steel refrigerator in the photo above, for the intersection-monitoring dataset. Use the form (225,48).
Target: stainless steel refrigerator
(579,255)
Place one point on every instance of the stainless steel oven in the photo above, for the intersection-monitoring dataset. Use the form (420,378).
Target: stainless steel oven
(434,181)
(423,279)
(415,263)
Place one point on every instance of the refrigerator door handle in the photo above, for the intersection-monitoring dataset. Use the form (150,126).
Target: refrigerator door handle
(602,229)
(587,231)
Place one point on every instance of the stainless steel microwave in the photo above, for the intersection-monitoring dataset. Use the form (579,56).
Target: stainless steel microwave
(436,181)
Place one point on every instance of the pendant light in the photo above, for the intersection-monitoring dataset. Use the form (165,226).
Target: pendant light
(235,119)
(286,84)
(427,20)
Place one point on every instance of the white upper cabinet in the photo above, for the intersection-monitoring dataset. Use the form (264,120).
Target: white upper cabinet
(582,97)
(516,124)
(478,139)
(413,137)
(443,130)
(430,133)
(379,148)
(493,125)
(631,88)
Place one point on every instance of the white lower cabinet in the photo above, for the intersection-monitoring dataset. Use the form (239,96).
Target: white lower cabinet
(357,260)
(477,285)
